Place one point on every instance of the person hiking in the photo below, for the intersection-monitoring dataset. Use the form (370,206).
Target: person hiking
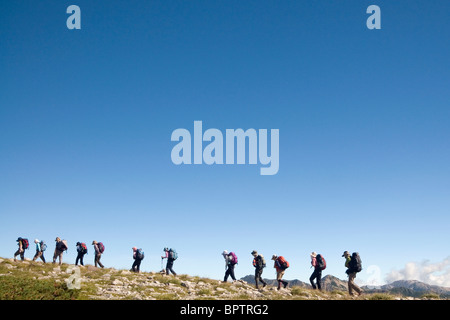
(98,248)
(171,256)
(259,263)
(40,248)
(317,273)
(230,263)
(81,251)
(60,247)
(23,245)
(280,265)
(353,267)
(138,256)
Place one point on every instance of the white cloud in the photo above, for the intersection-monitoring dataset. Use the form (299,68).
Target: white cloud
(431,273)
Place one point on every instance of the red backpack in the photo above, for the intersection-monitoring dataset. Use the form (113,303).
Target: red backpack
(25,243)
(101,247)
(321,263)
(282,263)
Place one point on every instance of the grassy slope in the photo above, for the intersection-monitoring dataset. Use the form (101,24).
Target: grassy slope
(37,281)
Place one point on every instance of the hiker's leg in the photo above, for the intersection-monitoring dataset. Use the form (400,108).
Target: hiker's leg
(99,263)
(311,279)
(227,273)
(351,277)
(77,259)
(261,279)
(36,256)
(54,256)
(139,265)
(170,264)
(355,286)
(16,254)
(81,259)
(232,273)
(42,257)
(319,279)
(279,277)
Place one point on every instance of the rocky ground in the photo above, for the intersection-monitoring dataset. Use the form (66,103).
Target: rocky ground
(108,284)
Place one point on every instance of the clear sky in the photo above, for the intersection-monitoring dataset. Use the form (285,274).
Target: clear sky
(86,118)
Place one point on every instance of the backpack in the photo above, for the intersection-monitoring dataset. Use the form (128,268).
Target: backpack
(101,247)
(64,245)
(321,263)
(282,262)
(173,254)
(355,262)
(83,248)
(43,246)
(25,243)
(234,258)
(140,254)
(263,261)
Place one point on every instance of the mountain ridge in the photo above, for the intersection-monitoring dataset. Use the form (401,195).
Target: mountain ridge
(27,280)
(407,288)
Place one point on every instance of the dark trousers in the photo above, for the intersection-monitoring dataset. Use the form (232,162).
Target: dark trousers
(97,260)
(258,277)
(169,266)
(22,254)
(136,265)
(317,274)
(229,272)
(79,258)
(39,254)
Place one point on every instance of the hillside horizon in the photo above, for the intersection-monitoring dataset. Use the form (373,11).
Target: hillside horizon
(29,280)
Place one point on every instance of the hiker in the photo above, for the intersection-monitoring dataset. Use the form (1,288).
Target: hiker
(40,248)
(81,251)
(138,256)
(23,245)
(61,246)
(171,256)
(99,248)
(317,274)
(353,265)
(230,263)
(280,265)
(259,263)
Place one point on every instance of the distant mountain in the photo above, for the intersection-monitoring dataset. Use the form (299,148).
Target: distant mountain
(329,282)
(407,288)
(412,288)
(273,282)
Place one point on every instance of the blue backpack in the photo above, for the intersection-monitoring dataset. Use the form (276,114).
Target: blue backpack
(43,246)
(173,254)
(140,254)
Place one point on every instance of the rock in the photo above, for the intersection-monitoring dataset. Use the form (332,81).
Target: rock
(117,282)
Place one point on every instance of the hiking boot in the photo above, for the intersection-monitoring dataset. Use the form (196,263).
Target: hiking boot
(285,284)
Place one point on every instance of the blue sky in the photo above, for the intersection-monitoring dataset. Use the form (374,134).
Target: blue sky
(86,118)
